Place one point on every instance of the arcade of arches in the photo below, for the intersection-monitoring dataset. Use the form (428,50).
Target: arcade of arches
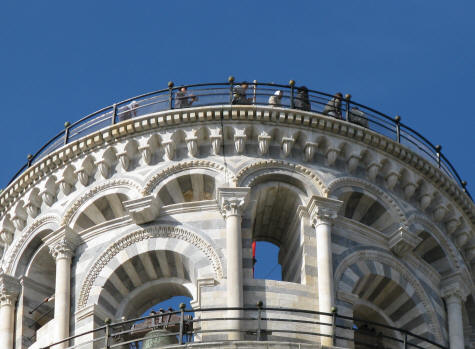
(281,210)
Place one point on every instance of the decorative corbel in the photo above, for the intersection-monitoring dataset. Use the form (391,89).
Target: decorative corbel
(142,210)
(287,143)
(263,141)
(239,140)
(402,241)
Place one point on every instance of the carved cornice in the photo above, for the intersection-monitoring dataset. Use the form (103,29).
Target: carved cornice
(232,201)
(160,231)
(9,289)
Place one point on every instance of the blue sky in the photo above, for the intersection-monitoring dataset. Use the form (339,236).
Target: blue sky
(62,60)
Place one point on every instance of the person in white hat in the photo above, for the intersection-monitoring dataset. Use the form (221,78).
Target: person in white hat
(276,99)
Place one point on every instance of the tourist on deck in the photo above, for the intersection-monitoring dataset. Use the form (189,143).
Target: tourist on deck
(183,99)
(276,99)
(302,101)
(333,107)
(129,111)
(239,94)
(358,117)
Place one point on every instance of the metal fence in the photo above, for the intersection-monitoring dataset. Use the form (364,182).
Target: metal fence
(261,324)
(257,93)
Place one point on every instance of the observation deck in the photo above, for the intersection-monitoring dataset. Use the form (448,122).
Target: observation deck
(258,94)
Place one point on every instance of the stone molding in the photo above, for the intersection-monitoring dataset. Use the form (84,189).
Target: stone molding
(454,285)
(232,201)
(13,252)
(9,289)
(158,231)
(142,210)
(62,243)
(299,119)
(377,192)
(323,210)
(392,262)
(152,183)
(403,241)
(74,207)
(243,175)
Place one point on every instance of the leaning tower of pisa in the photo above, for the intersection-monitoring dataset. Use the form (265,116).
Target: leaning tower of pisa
(164,194)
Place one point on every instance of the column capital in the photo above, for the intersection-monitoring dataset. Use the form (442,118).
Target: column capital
(142,210)
(232,201)
(454,285)
(9,289)
(62,243)
(323,210)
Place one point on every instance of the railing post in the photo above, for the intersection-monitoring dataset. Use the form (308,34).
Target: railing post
(438,148)
(292,85)
(231,82)
(107,335)
(170,94)
(348,102)
(334,311)
(405,340)
(259,319)
(398,128)
(114,113)
(182,322)
(254,94)
(66,132)
(29,158)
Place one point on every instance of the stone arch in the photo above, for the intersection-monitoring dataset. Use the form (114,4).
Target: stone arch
(152,183)
(121,185)
(356,185)
(16,251)
(421,222)
(200,252)
(189,185)
(348,273)
(249,174)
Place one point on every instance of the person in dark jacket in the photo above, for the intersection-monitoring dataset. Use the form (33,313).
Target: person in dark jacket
(239,94)
(333,107)
(302,101)
(183,99)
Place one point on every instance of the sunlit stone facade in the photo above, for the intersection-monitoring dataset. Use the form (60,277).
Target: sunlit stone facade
(169,203)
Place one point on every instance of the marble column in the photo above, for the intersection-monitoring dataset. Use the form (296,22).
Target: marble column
(323,212)
(9,290)
(232,202)
(454,291)
(62,245)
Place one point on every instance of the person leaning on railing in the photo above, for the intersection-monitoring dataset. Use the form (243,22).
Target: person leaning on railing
(239,94)
(358,117)
(333,107)
(183,99)
(301,100)
(276,99)
(129,111)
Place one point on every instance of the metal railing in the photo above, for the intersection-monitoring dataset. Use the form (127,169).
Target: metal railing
(261,324)
(258,93)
